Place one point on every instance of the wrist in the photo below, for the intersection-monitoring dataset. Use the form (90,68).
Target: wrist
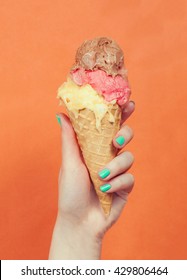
(75,240)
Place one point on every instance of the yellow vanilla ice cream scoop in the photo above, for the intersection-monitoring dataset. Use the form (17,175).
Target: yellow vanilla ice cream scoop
(80,97)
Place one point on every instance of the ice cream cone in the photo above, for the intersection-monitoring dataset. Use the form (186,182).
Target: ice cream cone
(96,146)
(94,94)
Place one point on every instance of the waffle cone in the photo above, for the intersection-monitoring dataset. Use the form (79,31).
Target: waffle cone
(96,146)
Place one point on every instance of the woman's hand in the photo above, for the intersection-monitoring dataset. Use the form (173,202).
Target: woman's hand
(81,222)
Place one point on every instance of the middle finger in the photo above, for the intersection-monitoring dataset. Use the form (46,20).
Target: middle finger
(123,136)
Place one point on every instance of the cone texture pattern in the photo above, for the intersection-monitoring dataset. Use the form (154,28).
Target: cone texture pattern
(96,146)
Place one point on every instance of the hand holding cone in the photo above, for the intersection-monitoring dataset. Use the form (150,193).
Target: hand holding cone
(94,96)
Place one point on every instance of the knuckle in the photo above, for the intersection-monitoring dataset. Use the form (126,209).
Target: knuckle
(120,181)
(132,179)
(130,184)
(129,156)
(118,164)
(129,130)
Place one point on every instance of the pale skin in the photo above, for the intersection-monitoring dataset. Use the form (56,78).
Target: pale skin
(81,224)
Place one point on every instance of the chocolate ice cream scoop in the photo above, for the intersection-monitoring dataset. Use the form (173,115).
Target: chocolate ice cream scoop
(101,53)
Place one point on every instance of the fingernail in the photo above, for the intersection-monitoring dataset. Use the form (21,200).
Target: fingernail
(104,173)
(59,120)
(132,104)
(120,140)
(105,187)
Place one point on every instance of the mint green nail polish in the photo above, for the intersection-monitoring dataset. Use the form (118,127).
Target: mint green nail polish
(59,120)
(120,140)
(105,187)
(104,173)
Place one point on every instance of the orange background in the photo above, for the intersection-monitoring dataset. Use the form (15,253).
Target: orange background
(38,40)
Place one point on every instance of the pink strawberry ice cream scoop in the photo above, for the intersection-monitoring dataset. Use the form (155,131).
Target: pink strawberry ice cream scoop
(100,63)
(112,88)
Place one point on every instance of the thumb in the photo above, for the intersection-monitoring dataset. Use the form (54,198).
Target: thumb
(71,154)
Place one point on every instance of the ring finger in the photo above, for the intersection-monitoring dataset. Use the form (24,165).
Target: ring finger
(118,165)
